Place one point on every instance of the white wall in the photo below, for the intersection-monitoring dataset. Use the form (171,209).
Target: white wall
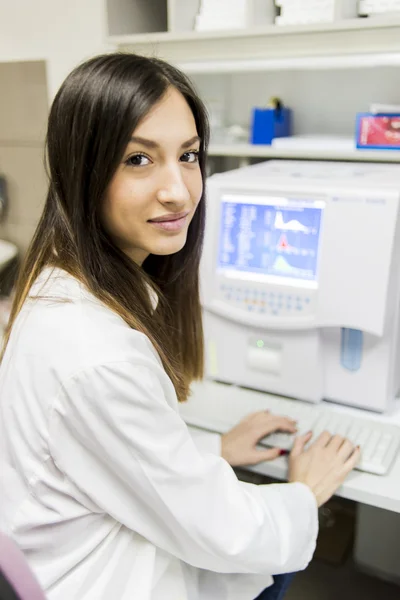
(61,32)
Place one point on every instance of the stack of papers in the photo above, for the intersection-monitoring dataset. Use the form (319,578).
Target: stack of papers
(315,142)
(225,14)
(234,14)
(374,7)
(385,109)
(299,12)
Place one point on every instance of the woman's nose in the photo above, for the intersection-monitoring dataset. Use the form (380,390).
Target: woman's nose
(173,189)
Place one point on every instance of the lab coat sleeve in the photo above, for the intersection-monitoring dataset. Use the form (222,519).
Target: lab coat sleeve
(206,441)
(116,437)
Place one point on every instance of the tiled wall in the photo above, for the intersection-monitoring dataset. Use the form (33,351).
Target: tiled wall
(23,115)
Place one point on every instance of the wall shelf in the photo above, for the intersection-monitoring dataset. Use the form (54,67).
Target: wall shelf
(259,151)
(351,61)
(306,63)
(348,38)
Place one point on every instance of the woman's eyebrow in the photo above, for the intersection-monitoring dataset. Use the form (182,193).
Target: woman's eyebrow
(190,142)
(152,144)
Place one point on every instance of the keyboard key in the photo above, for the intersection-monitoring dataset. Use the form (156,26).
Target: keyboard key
(354,433)
(363,437)
(371,444)
(279,440)
(343,428)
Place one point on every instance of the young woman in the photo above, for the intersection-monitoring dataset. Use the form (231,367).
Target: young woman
(102,484)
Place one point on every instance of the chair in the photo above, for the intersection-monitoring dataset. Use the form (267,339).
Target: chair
(16,579)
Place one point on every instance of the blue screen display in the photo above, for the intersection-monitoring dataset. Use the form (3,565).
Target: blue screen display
(275,237)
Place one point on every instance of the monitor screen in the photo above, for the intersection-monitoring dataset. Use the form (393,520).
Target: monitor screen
(276,238)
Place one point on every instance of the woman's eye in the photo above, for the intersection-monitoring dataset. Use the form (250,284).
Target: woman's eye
(138,160)
(190,157)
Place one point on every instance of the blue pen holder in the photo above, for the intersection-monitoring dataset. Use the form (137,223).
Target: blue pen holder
(269,123)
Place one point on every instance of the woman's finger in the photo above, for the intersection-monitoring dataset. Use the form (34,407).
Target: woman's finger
(262,455)
(277,424)
(345,450)
(299,444)
(322,440)
(353,460)
(336,442)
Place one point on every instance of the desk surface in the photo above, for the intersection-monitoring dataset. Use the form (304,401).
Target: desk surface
(375,490)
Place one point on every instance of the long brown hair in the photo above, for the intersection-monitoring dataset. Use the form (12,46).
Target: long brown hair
(90,123)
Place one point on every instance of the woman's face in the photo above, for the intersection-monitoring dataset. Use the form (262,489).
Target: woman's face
(155,191)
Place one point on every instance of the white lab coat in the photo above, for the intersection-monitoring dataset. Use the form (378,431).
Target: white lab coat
(102,484)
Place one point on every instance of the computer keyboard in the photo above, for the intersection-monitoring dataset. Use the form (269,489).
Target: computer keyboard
(218,407)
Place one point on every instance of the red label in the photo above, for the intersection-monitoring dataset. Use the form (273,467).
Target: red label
(380,131)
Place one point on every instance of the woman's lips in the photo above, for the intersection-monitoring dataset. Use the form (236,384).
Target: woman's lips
(171,225)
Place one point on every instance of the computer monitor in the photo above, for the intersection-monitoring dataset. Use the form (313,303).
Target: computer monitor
(300,281)
(270,238)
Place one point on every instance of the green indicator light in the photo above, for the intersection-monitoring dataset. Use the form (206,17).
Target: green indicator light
(260,344)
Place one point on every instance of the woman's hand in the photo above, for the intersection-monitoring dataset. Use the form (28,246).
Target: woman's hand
(238,446)
(324,465)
